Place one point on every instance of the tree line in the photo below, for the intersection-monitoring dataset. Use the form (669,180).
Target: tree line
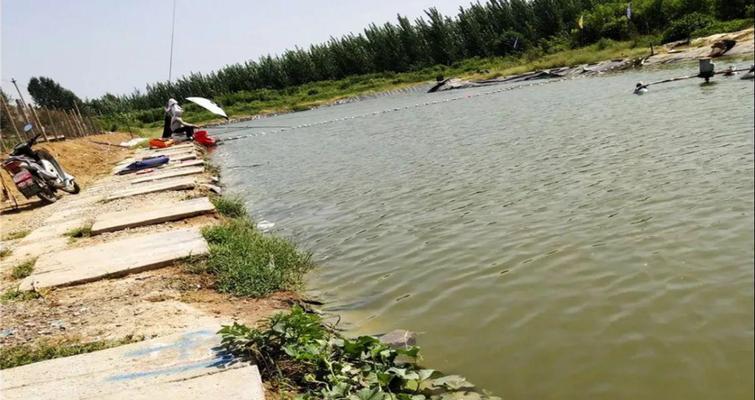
(489,29)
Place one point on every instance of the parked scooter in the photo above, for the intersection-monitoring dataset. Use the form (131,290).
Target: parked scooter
(37,173)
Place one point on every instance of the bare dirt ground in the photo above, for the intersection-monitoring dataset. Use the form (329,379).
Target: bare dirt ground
(147,304)
(81,157)
(701,47)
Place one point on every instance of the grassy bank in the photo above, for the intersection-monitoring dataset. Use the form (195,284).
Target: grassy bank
(246,262)
(266,101)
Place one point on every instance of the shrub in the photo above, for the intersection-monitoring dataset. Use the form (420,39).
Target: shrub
(683,27)
(721,27)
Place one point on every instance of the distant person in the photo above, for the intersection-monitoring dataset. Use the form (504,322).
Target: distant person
(168,117)
(640,88)
(178,125)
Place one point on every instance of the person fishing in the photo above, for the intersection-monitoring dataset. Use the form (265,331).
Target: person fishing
(640,88)
(177,124)
(167,118)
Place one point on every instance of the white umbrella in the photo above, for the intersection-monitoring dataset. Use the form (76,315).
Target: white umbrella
(209,105)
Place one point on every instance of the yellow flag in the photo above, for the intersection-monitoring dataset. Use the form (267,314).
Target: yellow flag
(581,22)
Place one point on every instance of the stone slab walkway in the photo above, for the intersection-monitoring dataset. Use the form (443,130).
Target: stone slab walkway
(189,365)
(181,183)
(116,221)
(168,174)
(116,258)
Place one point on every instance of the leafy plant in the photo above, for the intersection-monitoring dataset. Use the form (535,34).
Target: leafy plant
(23,270)
(296,350)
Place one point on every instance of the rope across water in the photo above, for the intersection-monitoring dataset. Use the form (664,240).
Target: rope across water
(409,107)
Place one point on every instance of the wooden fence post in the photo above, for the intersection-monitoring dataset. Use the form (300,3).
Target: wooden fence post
(76,123)
(12,119)
(39,122)
(71,131)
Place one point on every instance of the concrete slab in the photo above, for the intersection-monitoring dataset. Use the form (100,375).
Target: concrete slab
(52,230)
(132,218)
(120,257)
(23,253)
(68,213)
(184,164)
(167,152)
(183,183)
(189,365)
(168,174)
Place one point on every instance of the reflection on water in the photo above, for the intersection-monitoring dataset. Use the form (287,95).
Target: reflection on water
(569,240)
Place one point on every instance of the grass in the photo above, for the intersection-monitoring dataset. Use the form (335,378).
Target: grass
(5,253)
(247,262)
(23,270)
(13,295)
(16,356)
(231,207)
(80,231)
(16,235)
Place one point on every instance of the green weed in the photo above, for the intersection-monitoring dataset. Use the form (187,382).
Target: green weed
(16,356)
(13,295)
(5,252)
(247,262)
(231,207)
(24,269)
(16,235)
(80,231)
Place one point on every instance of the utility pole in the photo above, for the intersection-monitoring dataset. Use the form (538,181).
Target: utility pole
(23,102)
(172,31)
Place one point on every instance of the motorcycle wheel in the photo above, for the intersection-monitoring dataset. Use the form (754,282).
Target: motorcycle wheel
(76,189)
(46,194)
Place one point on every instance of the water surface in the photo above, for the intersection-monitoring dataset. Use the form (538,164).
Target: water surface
(561,241)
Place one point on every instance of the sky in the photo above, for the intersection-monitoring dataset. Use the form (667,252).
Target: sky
(95,47)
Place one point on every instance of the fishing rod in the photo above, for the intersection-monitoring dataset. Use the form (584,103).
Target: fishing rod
(247,127)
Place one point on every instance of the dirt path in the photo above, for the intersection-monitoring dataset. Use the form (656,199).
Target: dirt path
(153,303)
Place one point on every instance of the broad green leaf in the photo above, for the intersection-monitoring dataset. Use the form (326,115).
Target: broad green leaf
(453,382)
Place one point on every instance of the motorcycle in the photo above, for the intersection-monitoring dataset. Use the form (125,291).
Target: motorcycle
(37,172)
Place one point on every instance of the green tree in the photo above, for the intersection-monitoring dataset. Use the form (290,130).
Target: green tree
(731,9)
(48,93)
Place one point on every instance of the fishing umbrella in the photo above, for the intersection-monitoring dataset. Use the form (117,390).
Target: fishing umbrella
(209,105)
